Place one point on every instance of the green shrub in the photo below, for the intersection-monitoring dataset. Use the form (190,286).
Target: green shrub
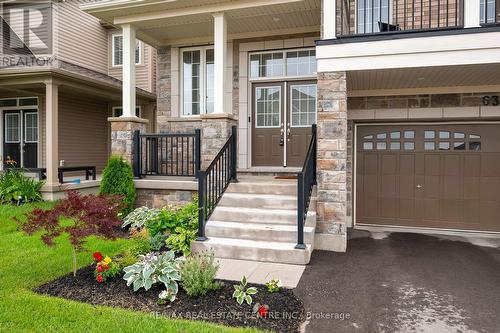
(171,218)
(117,178)
(198,274)
(180,240)
(15,187)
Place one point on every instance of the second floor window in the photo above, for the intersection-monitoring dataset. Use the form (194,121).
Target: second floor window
(118,51)
(488,12)
(373,16)
(197,81)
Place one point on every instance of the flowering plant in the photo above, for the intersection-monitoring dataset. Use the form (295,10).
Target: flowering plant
(105,267)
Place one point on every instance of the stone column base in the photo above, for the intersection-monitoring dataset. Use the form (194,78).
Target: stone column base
(122,135)
(330,242)
(215,130)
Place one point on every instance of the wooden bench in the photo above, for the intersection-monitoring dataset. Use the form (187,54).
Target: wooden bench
(90,171)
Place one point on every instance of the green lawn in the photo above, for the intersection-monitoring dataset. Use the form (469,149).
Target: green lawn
(25,262)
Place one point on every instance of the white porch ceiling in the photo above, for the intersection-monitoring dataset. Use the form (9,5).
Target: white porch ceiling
(166,22)
(443,77)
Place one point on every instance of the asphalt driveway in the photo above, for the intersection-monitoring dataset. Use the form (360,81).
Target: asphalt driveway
(404,283)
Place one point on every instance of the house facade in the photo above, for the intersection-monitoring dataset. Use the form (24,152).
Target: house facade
(55,103)
(405,96)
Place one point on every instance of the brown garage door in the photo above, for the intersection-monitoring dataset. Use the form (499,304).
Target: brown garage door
(433,176)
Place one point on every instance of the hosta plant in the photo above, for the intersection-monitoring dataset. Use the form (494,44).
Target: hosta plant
(154,268)
(139,217)
(273,285)
(244,293)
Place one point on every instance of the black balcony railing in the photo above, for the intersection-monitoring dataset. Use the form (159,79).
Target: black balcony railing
(306,179)
(213,181)
(167,154)
(386,16)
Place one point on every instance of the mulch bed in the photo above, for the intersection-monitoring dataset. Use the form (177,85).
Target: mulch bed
(286,311)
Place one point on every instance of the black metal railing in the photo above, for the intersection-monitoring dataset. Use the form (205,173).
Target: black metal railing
(167,154)
(213,181)
(306,179)
(386,16)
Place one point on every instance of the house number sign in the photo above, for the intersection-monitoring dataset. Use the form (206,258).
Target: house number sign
(493,100)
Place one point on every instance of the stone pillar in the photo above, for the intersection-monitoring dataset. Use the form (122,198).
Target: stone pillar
(215,130)
(163,88)
(332,158)
(122,135)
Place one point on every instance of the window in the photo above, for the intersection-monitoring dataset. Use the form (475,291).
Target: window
(409,134)
(31,127)
(368,145)
(381,146)
(12,126)
(25,101)
(267,101)
(303,105)
(409,145)
(487,10)
(197,81)
(395,145)
(429,145)
(117,51)
(118,111)
(300,62)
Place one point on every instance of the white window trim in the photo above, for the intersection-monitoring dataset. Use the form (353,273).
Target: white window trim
(114,108)
(139,43)
(203,83)
(285,76)
(24,127)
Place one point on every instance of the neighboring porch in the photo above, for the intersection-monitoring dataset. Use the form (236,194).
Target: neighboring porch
(57,128)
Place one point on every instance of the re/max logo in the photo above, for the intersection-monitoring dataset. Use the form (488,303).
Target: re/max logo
(26,28)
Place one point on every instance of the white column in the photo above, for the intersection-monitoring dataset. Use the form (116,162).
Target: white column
(220,55)
(329,19)
(52,132)
(472,16)
(128,92)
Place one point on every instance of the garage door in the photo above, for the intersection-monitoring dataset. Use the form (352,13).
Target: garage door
(432,176)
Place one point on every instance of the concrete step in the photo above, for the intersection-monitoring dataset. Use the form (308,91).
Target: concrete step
(259,215)
(258,231)
(251,200)
(276,187)
(245,249)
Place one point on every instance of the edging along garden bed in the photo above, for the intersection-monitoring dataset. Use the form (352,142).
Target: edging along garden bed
(284,311)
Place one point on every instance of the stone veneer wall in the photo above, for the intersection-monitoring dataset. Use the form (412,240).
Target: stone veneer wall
(332,160)
(122,136)
(164,84)
(158,198)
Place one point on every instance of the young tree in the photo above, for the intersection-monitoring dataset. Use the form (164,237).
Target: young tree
(89,215)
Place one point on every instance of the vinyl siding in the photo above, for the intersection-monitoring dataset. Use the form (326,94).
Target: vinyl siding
(83,132)
(81,39)
(145,72)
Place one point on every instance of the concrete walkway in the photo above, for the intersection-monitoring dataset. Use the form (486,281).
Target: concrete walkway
(259,272)
(403,283)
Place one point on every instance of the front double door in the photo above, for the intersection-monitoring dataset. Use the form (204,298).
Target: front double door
(282,116)
(20,137)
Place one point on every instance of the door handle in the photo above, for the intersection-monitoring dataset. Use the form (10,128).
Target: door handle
(419,186)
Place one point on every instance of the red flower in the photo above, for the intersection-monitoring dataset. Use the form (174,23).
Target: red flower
(98,256)
(99,278)
(263,311)
(100,268)
(106,267)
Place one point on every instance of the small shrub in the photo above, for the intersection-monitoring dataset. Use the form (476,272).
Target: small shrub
(139,217)
(273,285)
(242,293)
(198,274)
(105,268)
(118,179)
(86,214)
(153,268)
(180,240)
(172,217)
(17,188)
